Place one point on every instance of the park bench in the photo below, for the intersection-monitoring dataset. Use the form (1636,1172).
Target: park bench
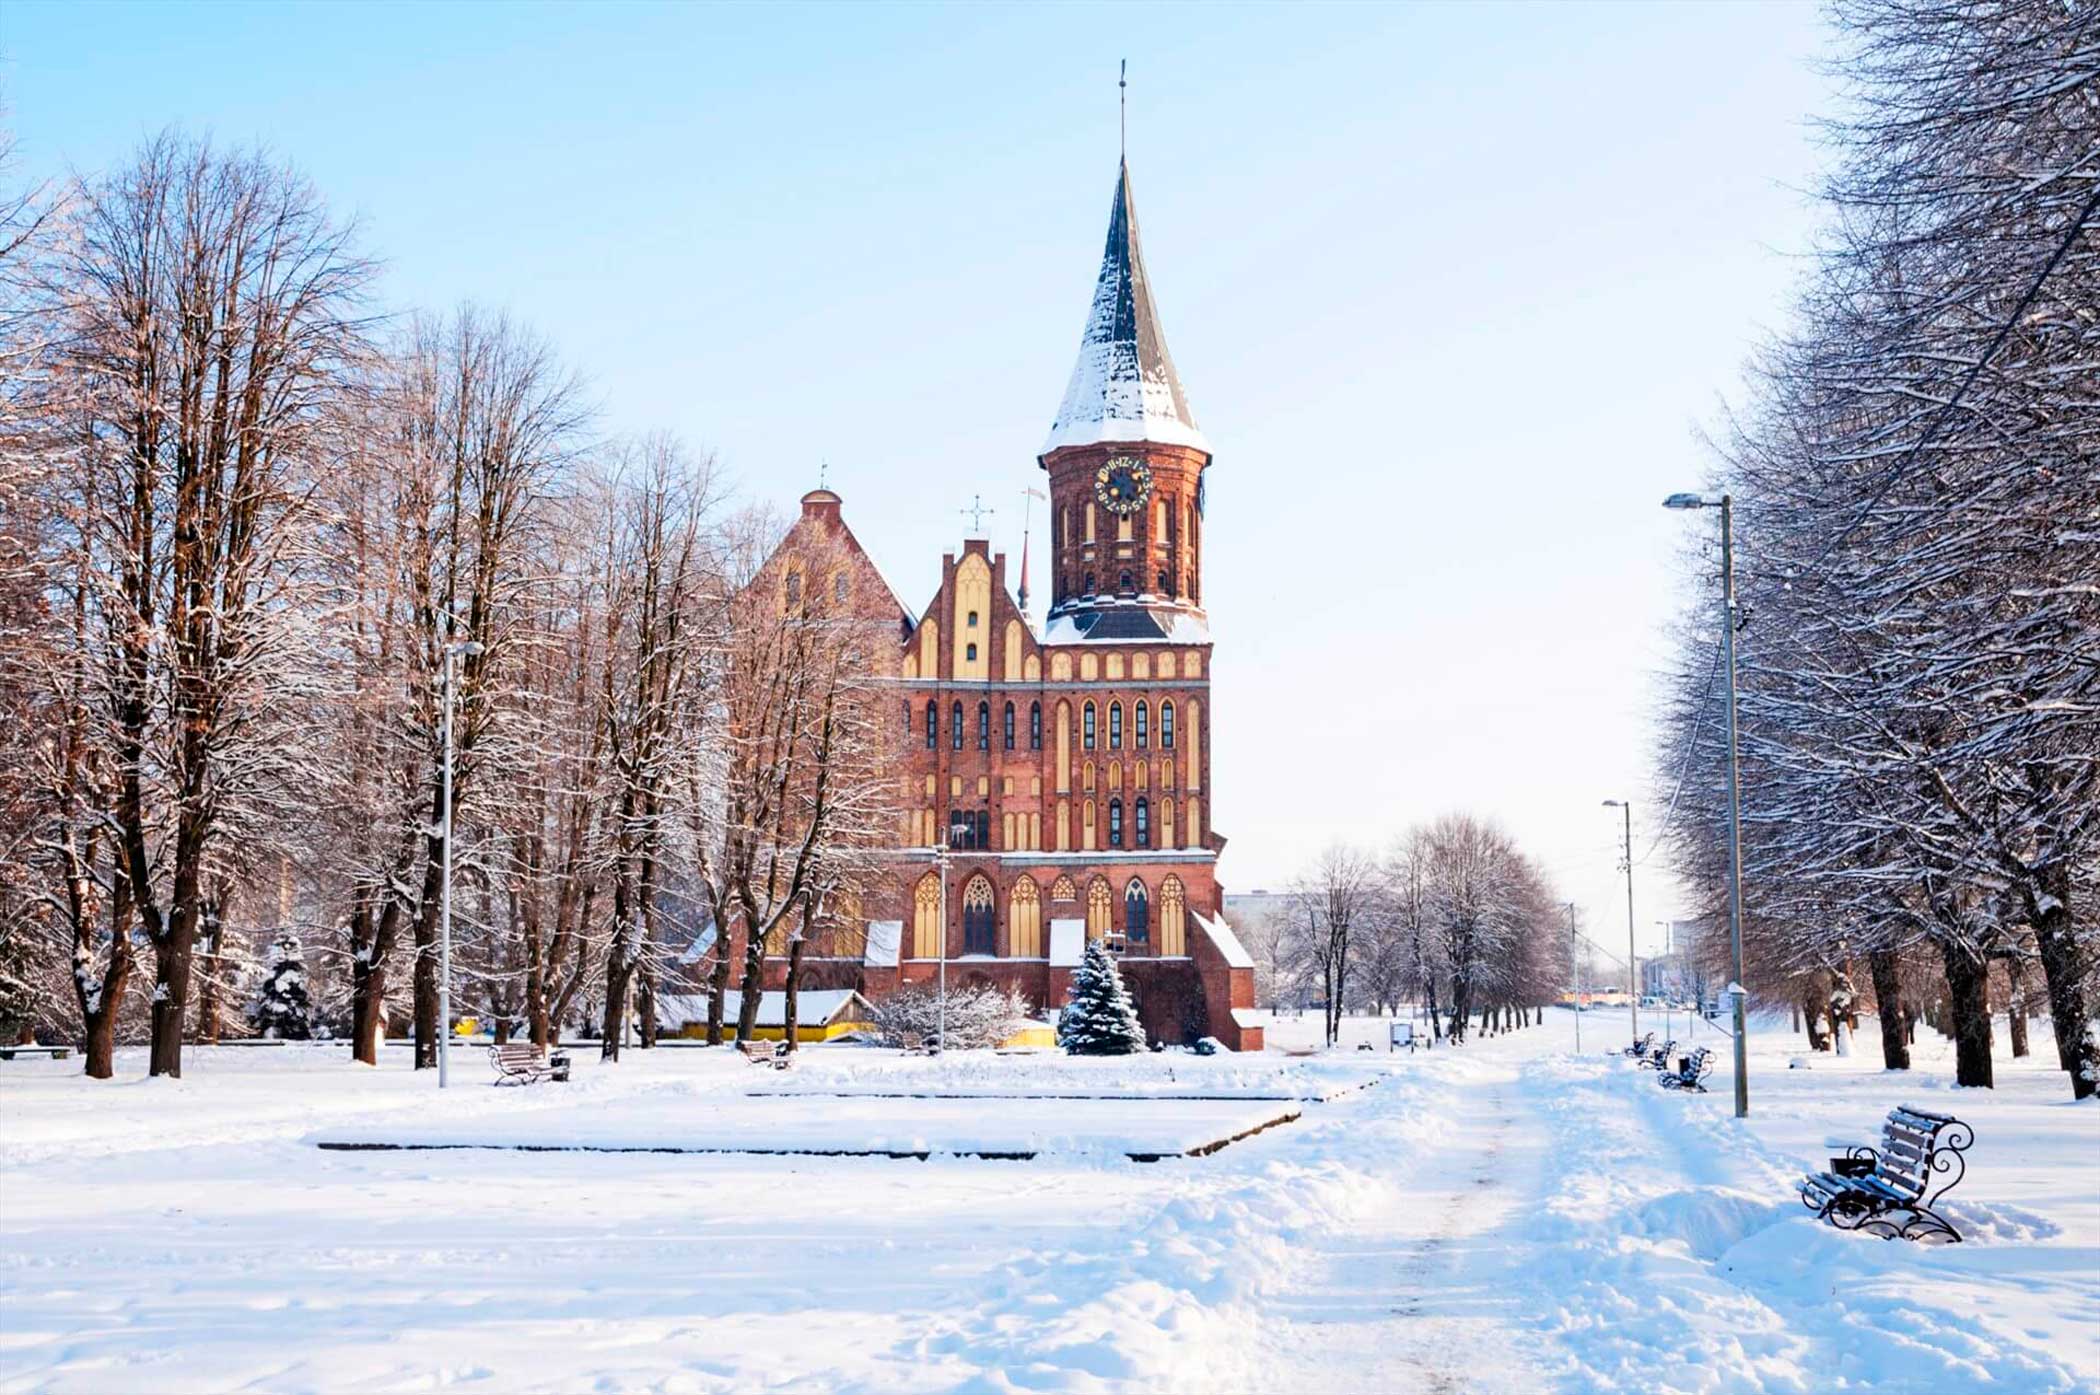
(1640,1048)
(1890,1191)
(1691,1070)
(56,1053)
(1659,1057)
(520,1063)
(766,1053)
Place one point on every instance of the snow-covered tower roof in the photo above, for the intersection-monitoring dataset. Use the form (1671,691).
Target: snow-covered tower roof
(1124,387)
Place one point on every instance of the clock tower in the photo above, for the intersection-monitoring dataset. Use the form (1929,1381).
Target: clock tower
(1126,462)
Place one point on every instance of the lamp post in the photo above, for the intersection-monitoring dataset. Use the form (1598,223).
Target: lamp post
(940,860)
(1735,989)
(1574,976)
(1633,963)
(453,649)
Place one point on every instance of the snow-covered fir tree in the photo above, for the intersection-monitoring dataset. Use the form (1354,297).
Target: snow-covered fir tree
(284,1011)
(1099,1019)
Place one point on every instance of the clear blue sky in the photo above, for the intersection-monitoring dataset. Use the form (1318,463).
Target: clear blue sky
(1449,286)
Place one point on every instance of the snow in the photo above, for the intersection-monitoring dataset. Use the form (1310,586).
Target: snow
(1506,1216)
(1182,625)
(1224,941)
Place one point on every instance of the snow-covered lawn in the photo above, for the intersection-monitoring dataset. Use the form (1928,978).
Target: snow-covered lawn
(1506,1216)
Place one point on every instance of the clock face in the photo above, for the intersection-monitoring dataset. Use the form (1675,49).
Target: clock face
(1122,484)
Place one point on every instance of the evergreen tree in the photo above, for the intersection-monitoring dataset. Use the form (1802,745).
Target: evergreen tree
(19,1000)
(284,1012)
(1099,1018)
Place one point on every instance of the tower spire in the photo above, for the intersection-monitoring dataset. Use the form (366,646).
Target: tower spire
(1123,387)
(1123,112)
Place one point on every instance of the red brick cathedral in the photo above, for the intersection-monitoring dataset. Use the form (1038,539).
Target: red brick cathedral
(1065,773)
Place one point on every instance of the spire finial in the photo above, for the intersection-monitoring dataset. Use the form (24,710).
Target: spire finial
(823,470)
(1123,111)
(977,510)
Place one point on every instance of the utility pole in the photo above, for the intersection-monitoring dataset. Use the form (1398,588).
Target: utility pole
(1735,989)
(1574,976)
(453,650)
(1735,817)
(1633,963)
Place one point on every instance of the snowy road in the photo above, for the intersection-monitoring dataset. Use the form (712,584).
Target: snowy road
(1507,1217)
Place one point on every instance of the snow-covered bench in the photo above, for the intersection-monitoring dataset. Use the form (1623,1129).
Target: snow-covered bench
(520,1063)
(1889,1192)
(766,1053)
(56,1053)
(1640,1048)
(1658,1058)
(1691,1070)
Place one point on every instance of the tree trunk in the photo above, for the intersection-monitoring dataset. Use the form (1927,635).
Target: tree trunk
(717,987)
(171,992)
(1888,1004)
(209,990)
(1811,1017)
(2016,1004)
(367,1010)
(752,986)
(614,1026)
(2063,969)
(1968,996)
(645,1006)
(101,1041)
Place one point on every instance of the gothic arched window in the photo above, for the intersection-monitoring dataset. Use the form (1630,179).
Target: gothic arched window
(1009,726)
(1141,719)
(980,929)
(1035,726)
(1166,726)
(1115,726)
(933,724)
(794,587)
(1136,905)
(984,726)
(955,731)
(1086,726)
(1089,589)
(1143,814)
(1115,823)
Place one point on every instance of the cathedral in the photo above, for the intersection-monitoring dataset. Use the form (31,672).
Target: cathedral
(1057,782)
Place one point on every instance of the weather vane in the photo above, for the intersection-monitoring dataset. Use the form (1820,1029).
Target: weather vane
(1123,108)
(977,511)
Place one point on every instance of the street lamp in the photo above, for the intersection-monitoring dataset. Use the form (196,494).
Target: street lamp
(940,860)
(1735,814)
(453,650)
(1633,963)
(1574,977)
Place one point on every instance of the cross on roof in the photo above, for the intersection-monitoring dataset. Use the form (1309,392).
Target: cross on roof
(977,510)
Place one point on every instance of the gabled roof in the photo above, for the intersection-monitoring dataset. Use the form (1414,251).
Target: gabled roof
(1124,387)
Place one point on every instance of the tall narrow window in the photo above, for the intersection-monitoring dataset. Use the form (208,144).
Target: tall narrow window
(1086,726)
(1009,730)
(838,587)
(907,716)
(955,726)
(970,653)
(1115,823)
(1035,726)
(1137,921)
(933,724)
(1115,726)
(1143,725)
(794,587)
(1166,726)
(984,829)
(1143,829)
(984,726)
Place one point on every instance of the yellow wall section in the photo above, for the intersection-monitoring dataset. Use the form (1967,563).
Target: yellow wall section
(973,596)
(1024,921)
(1192,733)
(1012,667)
(1064,749)
(1173,924)
(930,647)
(926,918)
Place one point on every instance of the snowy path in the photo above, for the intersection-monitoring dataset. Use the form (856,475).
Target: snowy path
(1418,1293)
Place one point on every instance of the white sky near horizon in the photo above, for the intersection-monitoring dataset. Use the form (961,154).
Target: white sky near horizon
(1450,288)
